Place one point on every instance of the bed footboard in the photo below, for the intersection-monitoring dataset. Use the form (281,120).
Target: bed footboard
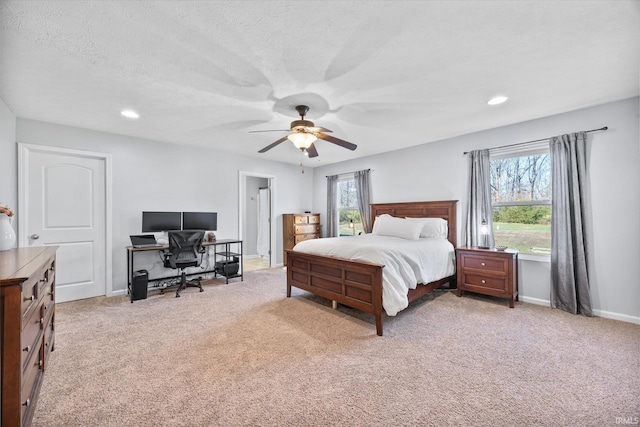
(352,283)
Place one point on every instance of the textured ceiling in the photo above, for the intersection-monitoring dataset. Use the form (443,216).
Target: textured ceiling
(381,74)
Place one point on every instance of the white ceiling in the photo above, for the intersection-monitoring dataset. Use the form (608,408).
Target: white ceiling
(381,74)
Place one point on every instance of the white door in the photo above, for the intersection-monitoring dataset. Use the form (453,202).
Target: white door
(65,204)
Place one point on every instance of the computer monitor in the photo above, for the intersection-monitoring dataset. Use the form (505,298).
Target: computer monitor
(161,221)
(207,221)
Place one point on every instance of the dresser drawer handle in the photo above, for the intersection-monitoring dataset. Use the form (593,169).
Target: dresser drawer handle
(482,264)
(31,298)
(40,364)
(42,320)
(27,403)
(484,281)
(27,348)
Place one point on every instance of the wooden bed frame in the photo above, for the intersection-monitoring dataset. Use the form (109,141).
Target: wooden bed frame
(358,284)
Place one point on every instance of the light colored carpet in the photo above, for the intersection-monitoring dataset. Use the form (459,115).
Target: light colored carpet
(244,354)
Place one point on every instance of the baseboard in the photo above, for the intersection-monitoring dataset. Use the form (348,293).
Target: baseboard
(119,293)
(617,316)
(598,313)
(535,301)
(250,256)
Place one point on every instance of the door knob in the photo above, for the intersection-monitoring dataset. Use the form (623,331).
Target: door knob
(35,236)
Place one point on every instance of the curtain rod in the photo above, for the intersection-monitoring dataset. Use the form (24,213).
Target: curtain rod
(538,140)
(346,173)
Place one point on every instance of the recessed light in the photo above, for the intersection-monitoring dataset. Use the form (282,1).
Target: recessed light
(130,113)
(497,100)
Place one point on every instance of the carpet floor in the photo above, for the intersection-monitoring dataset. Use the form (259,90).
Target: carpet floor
(242,354)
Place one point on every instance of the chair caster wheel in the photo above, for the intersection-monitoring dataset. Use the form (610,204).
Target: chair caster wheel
(201,290)
(177,296)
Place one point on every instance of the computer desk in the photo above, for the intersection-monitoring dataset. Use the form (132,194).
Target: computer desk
(225,254)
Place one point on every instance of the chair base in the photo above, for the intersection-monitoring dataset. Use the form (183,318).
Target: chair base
(184,283)
(193,283)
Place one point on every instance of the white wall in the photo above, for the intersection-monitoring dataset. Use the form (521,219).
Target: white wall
(8,162)
(150,175)
(438,171)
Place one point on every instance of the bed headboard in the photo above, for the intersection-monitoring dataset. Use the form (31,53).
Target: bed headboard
(438,209)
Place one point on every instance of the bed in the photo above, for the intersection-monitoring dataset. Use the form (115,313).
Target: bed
(359,284)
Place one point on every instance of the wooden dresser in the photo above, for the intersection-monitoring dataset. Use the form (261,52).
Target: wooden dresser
(27,306)
(298,227)
(488,271)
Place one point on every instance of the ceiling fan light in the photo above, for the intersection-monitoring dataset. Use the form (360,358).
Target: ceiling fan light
(302,140)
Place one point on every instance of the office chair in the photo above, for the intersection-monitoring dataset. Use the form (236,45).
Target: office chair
(184,248)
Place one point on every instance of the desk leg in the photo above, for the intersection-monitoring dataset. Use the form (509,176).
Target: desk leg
(129,273)
(241,262)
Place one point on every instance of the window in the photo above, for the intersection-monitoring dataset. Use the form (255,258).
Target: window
(521,200)
(349,222)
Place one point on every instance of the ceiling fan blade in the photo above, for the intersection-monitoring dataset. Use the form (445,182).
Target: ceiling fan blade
(270,130)
(311,151)
(315,129)
(270,146)
(340,142)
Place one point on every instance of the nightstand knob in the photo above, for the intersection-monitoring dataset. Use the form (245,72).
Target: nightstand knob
(484,281)
(482,264)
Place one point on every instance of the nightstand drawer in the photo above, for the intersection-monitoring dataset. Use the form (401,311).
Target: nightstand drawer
(485,263)
(488,271)
(485,281)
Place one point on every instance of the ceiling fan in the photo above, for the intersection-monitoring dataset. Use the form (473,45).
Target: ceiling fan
(305,133)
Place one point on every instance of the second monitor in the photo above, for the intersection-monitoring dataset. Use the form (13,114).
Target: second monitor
(207,221)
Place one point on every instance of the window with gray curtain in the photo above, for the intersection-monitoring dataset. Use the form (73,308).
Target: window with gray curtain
(479,201)
(332,209)
(348,198)
(363,191)
(570,289)
(569,279)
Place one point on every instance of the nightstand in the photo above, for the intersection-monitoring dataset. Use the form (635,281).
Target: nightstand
(488,271)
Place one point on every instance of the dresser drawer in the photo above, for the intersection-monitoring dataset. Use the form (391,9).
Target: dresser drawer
(487,282)
(31,333)
(304,237)
(313,219)
(495,265)
(304,229)
(30,289)
(49,338)
(300,219)
(48,293)
(32,373)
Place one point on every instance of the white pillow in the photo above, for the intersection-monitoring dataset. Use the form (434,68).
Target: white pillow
(433,227)
(387,225)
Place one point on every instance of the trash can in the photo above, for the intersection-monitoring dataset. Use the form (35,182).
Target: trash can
(139,285)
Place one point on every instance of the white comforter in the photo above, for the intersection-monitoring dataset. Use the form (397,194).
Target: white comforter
(406,262)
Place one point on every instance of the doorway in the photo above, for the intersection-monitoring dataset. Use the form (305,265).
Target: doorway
(65,200)
(256,226)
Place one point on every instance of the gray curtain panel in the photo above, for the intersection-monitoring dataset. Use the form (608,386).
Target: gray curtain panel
(332,209)
(569,280)
(479,199)
(363,191)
